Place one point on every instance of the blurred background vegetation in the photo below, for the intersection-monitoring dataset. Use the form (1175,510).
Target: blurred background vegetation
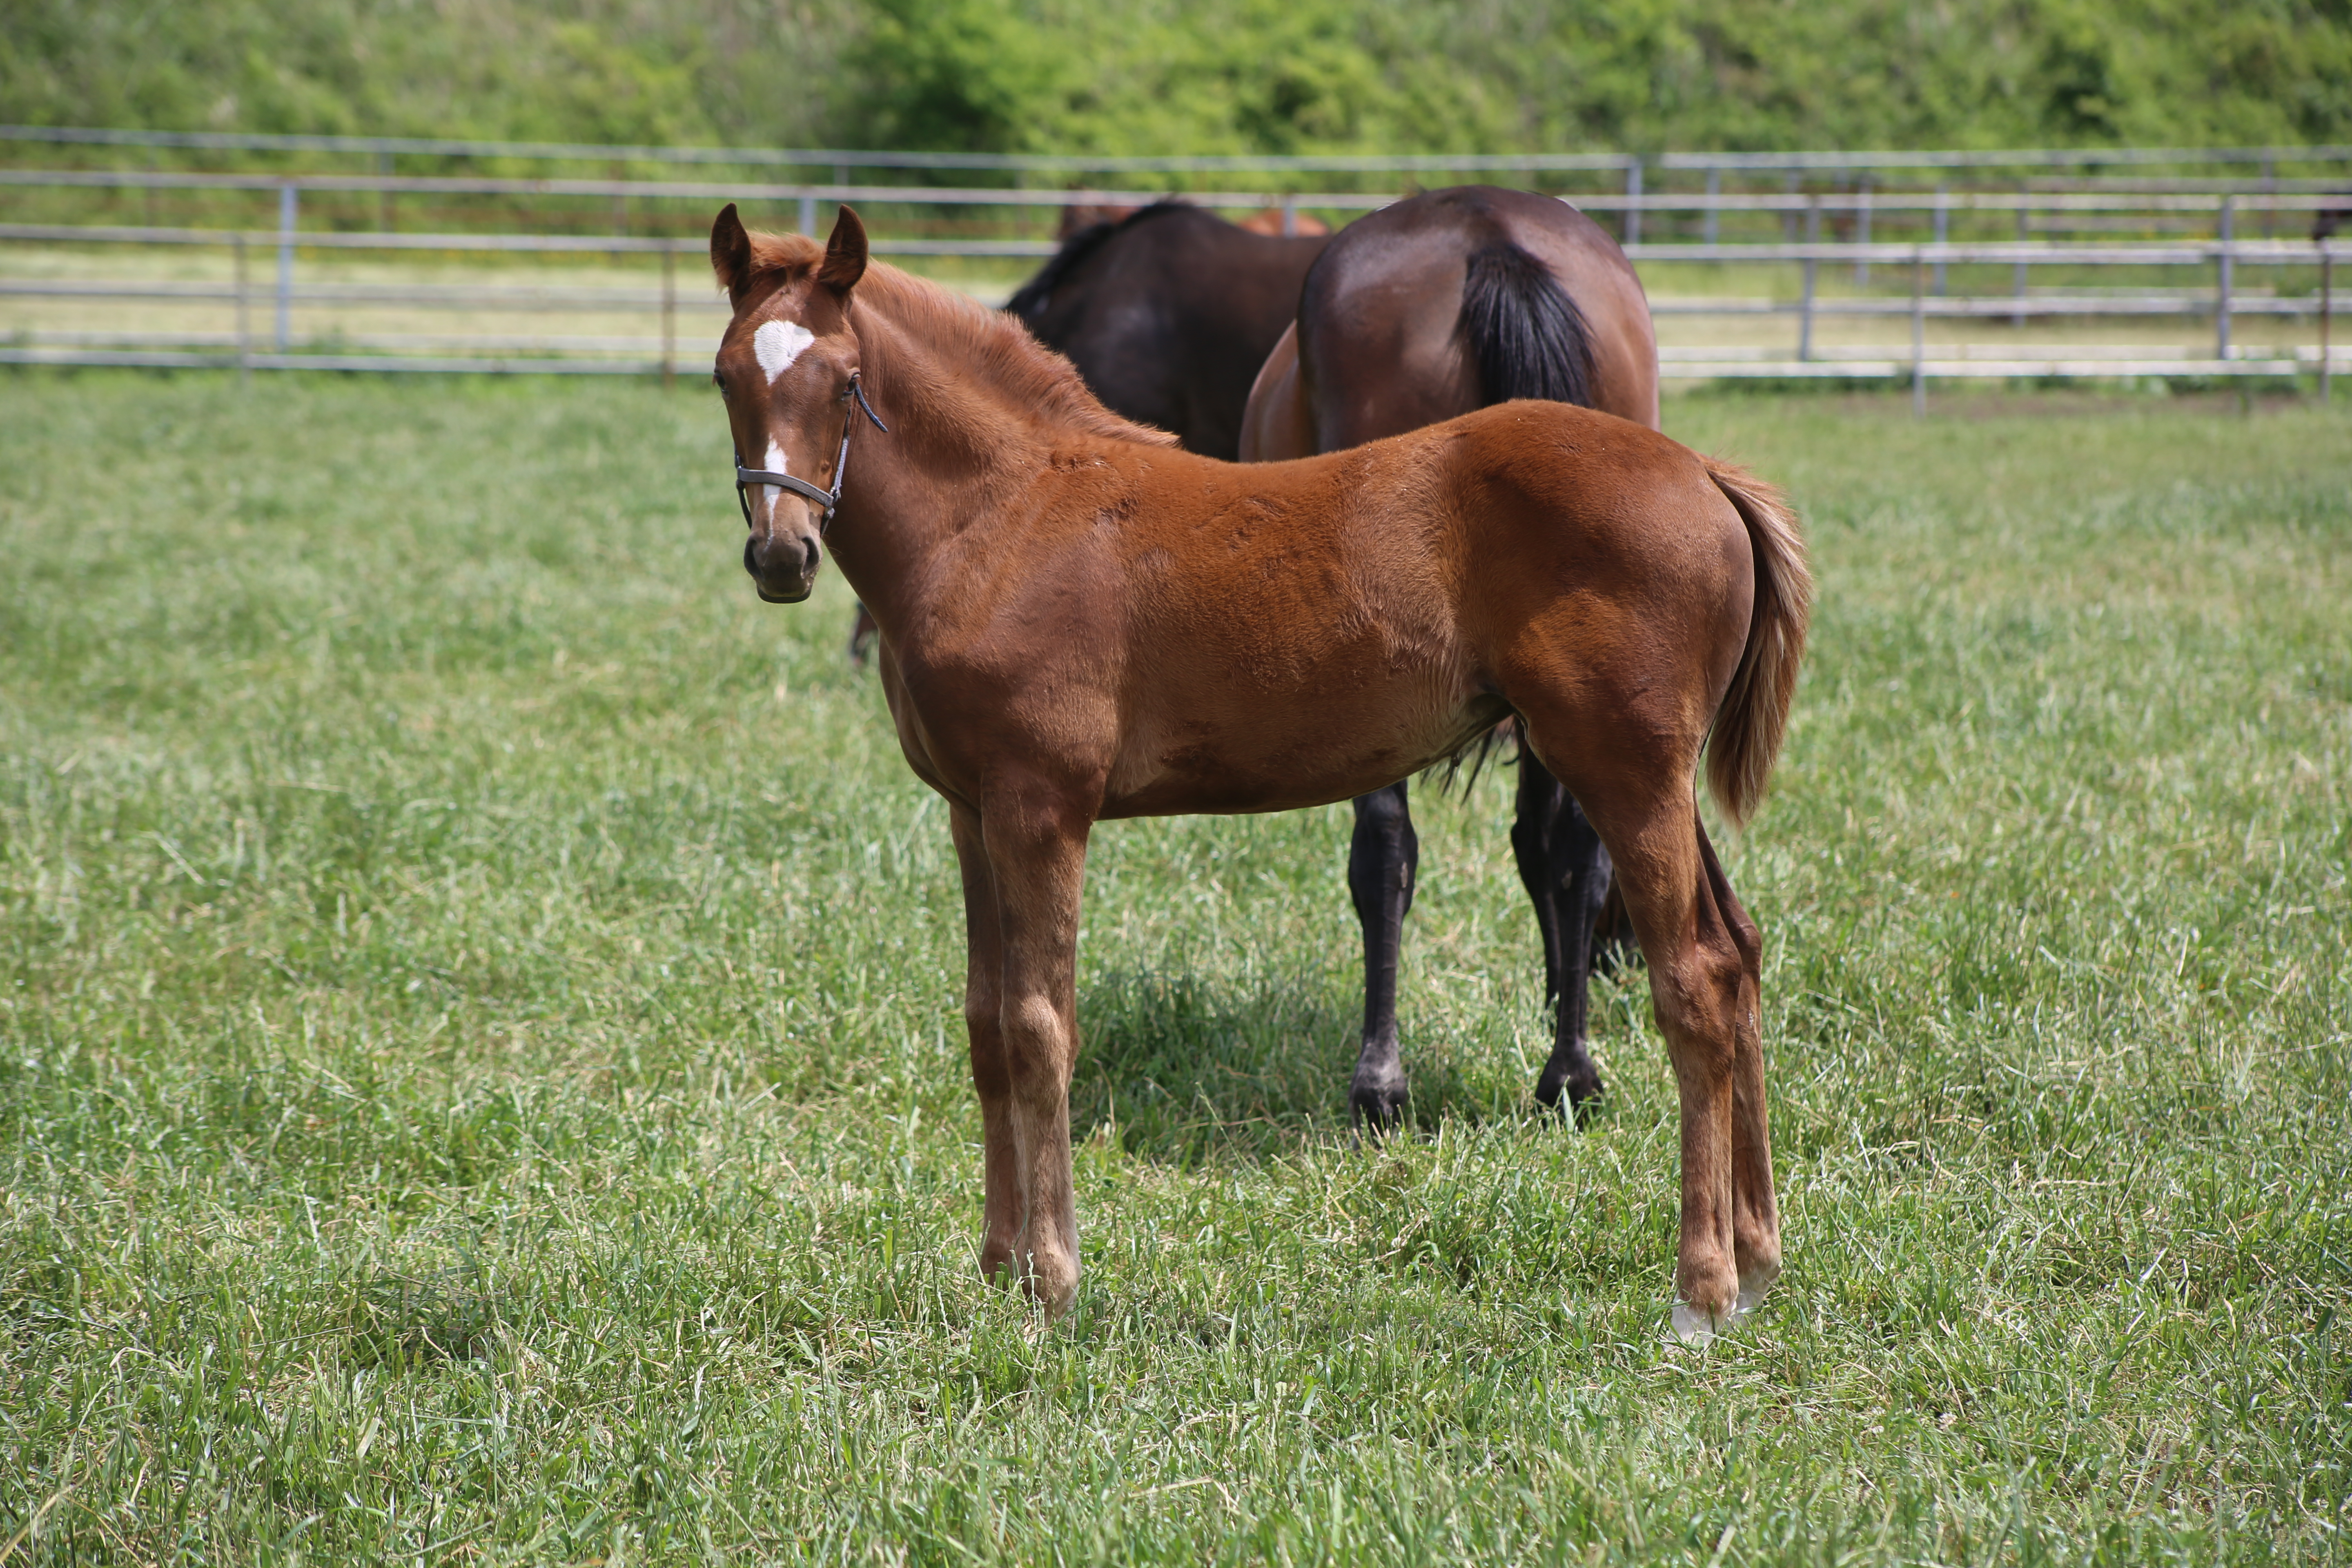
(1202,77)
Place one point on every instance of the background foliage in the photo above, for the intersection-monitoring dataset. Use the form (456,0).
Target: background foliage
(1218,76)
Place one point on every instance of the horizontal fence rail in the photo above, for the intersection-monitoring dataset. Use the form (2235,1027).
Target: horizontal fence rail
(2130,254)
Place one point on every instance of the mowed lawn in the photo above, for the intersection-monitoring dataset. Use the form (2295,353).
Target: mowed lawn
(482,1080)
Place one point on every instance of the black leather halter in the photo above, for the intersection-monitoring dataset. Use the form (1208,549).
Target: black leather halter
(831,500)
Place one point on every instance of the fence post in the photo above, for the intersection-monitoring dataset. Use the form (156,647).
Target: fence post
(1634,195)
(1290,214)
(2327,309)
(1805,313)
(1713,192)
(670,317)
(2223,280)
(384,197)
(1918,336)
(2024,233)
(1943,232)
(287,211)
(1862,227)
(244,331)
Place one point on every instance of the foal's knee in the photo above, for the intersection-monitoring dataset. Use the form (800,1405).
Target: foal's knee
(1034,1060)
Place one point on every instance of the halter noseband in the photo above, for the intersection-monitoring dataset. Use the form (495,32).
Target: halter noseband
(830,500)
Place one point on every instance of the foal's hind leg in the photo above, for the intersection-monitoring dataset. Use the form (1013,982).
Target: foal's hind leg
(1384,858)
(1702,987)
(1754,1205)
(1566,871)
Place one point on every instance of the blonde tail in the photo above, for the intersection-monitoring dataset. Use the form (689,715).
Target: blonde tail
(1753,717)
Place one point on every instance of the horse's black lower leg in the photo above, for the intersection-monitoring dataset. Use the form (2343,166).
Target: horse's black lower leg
(862,633)
(1382,861)
(1567,873)
(1614,945)
(1531,834)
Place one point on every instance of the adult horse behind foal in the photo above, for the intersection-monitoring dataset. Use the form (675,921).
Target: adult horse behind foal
(1167,313)
(1080,621)
(1444,302)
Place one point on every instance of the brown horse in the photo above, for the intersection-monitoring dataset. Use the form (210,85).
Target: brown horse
(1445,302)
(1080,622)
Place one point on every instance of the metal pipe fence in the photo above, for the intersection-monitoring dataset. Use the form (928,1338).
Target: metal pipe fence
(2184,232)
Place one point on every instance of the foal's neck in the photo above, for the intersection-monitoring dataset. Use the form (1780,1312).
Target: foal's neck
(929,478)
(974,405)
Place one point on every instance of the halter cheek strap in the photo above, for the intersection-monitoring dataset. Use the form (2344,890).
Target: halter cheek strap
(830,500)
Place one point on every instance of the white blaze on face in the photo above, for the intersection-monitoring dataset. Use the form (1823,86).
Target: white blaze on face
(777,344)
(775,464)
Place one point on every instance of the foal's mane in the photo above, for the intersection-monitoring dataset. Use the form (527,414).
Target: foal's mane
(1034,379)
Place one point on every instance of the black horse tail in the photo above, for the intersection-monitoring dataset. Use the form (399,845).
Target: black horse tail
(1526,334)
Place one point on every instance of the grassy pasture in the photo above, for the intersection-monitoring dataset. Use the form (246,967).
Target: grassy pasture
(480,1060)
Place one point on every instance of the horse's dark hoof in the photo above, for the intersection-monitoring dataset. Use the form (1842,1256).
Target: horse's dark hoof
(1377,1103)
(1573,1094)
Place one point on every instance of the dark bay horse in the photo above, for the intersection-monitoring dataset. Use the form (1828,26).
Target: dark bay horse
(1080,621)
(1167,313)
(1445,302)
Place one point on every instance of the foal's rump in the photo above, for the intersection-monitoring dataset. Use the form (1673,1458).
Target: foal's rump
(1601,555)
(1658,595)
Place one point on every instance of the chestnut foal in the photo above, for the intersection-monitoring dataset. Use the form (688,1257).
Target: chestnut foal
(1080,621)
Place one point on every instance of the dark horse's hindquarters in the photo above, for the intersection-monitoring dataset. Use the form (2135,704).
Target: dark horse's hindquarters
(1167,314)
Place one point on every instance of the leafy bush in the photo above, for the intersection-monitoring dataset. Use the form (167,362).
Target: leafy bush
(1216,75)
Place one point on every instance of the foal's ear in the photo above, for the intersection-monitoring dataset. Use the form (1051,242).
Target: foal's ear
(844,254)
(731,250)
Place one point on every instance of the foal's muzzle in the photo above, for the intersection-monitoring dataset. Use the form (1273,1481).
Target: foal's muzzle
(782,564)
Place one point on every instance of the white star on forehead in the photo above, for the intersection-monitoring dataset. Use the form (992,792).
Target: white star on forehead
(777,344)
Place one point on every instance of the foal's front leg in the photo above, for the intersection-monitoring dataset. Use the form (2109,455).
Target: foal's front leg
(1037,852)
(982,1006)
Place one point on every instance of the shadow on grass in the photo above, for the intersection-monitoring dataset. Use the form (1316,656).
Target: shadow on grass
(398,1320)
(1182,1066)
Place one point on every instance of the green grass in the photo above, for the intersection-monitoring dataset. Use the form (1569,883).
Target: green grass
(481,1074)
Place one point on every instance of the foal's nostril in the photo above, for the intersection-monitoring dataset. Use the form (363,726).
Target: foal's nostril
(752,555)
(809,545)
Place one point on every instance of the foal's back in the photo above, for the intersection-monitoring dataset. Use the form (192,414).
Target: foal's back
(1349,618)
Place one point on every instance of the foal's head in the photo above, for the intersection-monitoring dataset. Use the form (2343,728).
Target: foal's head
(786,367)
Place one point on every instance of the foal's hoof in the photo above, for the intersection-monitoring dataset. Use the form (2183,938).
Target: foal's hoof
(1690,1326)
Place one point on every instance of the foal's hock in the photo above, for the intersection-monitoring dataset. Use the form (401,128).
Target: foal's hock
(1080,622)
